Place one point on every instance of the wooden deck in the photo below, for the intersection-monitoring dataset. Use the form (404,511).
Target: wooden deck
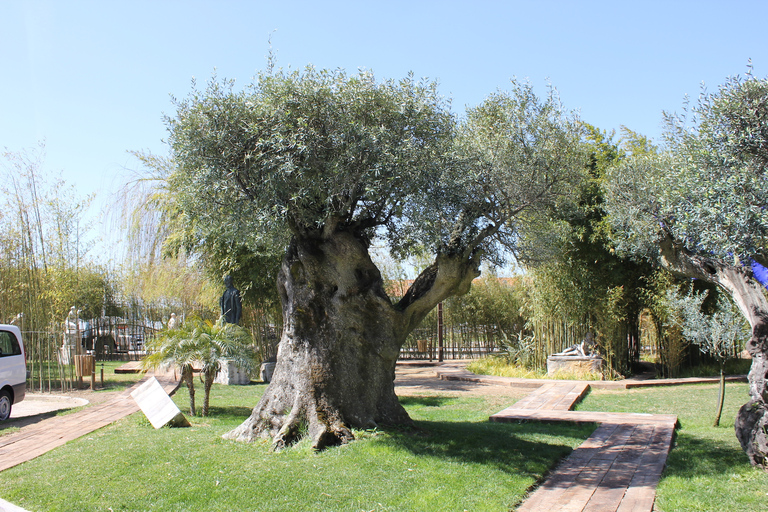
(616,469)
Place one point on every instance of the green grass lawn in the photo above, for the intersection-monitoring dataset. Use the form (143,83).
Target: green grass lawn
(454,460)
(706,469)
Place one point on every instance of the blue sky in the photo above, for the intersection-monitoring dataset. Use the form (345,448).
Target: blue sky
(93,78)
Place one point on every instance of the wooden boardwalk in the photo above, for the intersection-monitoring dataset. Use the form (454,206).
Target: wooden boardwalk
(35,440)
(616,469)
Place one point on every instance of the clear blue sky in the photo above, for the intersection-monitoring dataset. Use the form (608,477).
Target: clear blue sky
(93,78)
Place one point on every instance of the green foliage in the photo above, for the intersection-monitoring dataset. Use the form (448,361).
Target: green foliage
(303,150)
(636,197)
(489,318)
(45,262)
(517,156)
(519,349)
(203,344)
(661,330)
(721,159)
(170,285)
(158,270)
(703,195)
(707,189)
(44,244)
(89,288)
(580,281)
(310,152)
(721,334)
(492,305)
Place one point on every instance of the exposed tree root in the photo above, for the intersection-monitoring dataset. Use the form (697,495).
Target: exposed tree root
(752,432)
(286,426)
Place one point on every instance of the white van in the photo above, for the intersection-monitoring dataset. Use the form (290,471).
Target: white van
(13,369)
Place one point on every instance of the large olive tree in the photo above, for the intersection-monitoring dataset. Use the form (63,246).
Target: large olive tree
(700,209)
(319,163)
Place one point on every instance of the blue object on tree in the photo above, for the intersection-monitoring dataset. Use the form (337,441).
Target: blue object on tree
(760,272)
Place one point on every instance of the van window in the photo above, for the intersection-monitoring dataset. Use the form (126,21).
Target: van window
(9,345)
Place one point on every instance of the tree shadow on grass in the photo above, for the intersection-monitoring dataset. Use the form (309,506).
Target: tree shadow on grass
(425,401)
(695,456)
(527,449)
(228,413)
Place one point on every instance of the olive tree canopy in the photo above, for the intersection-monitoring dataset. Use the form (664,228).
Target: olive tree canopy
(700,209)
(317,164)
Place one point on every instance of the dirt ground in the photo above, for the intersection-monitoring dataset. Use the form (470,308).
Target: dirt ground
(418,380)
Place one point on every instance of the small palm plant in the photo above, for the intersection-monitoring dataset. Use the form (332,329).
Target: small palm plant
(224,342)
(205,344)
(175,347)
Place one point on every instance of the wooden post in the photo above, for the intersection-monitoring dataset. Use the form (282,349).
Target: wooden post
(102,375)
(78,349)
(440,331)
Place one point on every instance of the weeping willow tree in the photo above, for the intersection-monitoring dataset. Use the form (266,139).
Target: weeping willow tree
(169,271)
(160,281)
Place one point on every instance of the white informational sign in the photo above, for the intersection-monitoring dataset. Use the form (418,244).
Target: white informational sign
(157,406)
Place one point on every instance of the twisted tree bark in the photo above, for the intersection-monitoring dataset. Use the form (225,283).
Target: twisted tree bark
(341,339)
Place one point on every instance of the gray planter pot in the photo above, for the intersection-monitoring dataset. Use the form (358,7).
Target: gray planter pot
(267,369)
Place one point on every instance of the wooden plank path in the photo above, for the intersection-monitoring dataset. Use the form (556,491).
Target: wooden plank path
(616,469)
(34,440)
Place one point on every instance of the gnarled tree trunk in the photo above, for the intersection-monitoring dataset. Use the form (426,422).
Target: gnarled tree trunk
(341,339)
(752,419)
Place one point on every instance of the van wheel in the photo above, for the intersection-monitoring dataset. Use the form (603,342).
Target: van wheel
(5,405)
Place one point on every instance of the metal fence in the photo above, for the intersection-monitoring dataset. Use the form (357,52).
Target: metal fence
(51,354)
(443,335)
